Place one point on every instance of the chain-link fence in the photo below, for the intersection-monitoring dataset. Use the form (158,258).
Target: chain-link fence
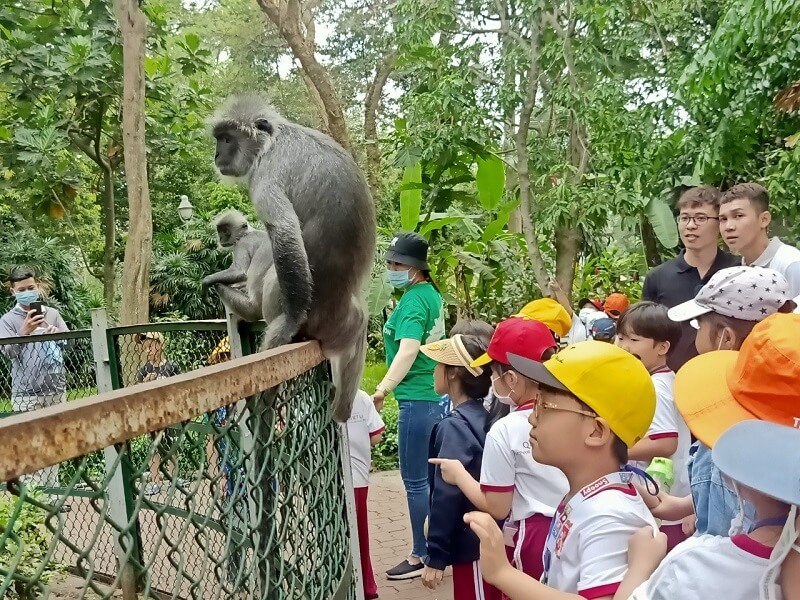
(42,370)
(221,497)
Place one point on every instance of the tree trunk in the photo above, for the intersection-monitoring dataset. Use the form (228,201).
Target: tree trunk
(138,249)
(568,243)
(509,82)
(287,16)
(110,234)
(521,141)
(371,106)
(652,255)
(313,92)
(568,236)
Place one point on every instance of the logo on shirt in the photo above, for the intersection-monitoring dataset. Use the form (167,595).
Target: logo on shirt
(526,449)
(562,537)
(589,490)
(797,422)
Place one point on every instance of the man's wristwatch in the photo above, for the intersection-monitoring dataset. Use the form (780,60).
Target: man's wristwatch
(382,390)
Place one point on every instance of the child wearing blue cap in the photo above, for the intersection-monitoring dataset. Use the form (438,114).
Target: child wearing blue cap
(762,460)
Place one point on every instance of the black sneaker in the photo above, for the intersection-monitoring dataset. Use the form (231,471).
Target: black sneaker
(405,570)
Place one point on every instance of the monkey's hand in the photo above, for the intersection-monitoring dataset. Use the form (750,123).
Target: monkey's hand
(227,277)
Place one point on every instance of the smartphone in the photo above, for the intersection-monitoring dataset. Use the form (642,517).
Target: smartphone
(36,307)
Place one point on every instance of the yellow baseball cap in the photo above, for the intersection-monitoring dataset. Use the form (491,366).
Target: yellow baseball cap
(549,312)
(451,352)
(613,382)
(222,349)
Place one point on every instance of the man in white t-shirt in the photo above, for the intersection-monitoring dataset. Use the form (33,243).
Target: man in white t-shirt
(364,430)
(744,218)
(646,331)
(595,401)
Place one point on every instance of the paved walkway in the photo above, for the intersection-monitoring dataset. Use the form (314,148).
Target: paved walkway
(390,540)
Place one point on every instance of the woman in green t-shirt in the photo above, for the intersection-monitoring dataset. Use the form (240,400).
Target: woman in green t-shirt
(418,319)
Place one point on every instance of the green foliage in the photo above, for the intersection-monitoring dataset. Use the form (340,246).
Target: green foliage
(181,258)
(384,455)
(612,271)
(663,221)
(490,181)
(28,544)
(411,197)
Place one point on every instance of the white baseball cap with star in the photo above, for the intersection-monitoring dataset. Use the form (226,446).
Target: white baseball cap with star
(745,293)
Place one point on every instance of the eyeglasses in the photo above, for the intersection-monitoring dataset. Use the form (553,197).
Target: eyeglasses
(537,408)
(698,219)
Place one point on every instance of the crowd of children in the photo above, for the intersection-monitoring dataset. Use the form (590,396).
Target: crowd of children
(593,454)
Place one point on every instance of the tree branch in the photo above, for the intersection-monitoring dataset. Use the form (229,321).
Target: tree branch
(76,236)
(521,140)
(371,106)
(287,18)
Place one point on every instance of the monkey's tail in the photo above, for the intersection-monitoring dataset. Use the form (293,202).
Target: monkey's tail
(347,366)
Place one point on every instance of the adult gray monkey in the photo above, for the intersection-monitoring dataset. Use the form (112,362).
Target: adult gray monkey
(252,259)
(320,217)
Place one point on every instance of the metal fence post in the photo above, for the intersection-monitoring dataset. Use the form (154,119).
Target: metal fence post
(246,444)
(350,503)
(118,507)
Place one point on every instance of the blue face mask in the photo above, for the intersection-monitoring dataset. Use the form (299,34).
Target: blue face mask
(26,297)
(399,279)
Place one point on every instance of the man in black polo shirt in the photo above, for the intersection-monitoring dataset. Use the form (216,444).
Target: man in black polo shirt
(679,279)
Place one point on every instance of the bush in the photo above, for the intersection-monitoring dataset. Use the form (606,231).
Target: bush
(32,538)
(384,455)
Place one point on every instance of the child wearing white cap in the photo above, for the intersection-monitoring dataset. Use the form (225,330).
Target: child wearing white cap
(724,311)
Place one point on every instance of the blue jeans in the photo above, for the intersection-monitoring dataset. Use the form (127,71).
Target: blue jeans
(415,424)
(715,503)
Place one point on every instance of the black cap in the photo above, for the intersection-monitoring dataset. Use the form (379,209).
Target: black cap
(409,248)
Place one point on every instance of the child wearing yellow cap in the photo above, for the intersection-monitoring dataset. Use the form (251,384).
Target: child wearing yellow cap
(583,423)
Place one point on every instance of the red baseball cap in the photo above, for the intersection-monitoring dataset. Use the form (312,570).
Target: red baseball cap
(515,335)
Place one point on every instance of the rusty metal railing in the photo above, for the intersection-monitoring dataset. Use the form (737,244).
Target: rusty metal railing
(221,482)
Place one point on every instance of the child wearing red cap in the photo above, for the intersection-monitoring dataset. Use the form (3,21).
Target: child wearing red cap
(513,486)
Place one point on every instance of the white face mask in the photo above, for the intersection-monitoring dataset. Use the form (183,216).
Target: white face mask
(745,518)
(507,400)
(769,587)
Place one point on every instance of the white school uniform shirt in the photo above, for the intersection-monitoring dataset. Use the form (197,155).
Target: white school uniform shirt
(668,422)
(591,557)
(581,329)
(708,567)
(509,467)
(364,423)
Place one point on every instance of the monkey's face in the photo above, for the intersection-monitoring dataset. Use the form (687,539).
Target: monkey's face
(229,233)
(237,149)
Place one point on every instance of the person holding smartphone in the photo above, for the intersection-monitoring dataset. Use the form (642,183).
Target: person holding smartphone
(37,368)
